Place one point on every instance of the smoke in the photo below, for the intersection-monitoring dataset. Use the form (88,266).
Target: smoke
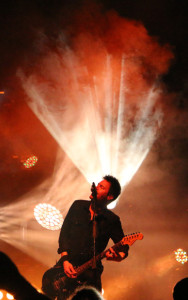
(93,80)
(98,92)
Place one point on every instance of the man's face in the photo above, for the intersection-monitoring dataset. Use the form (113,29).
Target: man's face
(102,189)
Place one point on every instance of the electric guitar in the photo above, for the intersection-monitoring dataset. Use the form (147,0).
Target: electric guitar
(55,281)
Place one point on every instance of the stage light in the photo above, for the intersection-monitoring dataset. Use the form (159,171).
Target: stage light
(2,92)
(48,216)
(30,162)
(1,295)
(9,296)
(112,204)
(181,256)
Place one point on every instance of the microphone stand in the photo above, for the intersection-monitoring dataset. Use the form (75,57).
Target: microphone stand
(94,194)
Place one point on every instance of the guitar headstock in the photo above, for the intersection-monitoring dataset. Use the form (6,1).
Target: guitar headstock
(131,238)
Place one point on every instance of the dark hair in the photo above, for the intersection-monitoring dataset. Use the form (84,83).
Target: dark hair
(115,188)
(86,293)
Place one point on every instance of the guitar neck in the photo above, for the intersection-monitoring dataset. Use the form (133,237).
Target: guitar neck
(92,261)
(127,240)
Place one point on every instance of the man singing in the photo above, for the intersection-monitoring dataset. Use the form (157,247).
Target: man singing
(86,231)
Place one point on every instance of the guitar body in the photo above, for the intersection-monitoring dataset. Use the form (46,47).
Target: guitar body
(55,282)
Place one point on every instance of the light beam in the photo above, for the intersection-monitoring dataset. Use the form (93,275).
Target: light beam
(93,126)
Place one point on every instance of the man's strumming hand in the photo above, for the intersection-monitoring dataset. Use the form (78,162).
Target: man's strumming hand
(69,269)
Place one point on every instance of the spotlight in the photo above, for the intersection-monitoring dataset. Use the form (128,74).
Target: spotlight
(48,216)
(9,296)
(30,162)
(181,256)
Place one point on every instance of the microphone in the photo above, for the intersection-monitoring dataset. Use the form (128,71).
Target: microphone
(93,190)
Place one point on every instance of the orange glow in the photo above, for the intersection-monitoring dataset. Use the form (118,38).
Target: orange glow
(9,296)
(5,295)
(163,265)
(2,92)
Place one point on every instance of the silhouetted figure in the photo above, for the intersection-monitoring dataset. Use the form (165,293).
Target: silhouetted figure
(14,283)
(181,290)
(86,293)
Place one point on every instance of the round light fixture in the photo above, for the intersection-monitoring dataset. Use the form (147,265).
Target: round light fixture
(48,216)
